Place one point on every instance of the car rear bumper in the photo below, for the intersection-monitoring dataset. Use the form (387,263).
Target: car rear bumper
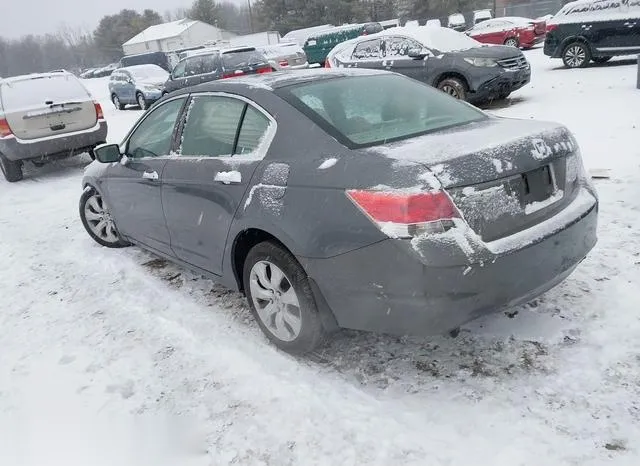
(53,147)
(506,82)
(387,287)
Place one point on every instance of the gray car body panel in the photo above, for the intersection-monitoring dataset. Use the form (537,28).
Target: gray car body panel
(368,280)
(66,145)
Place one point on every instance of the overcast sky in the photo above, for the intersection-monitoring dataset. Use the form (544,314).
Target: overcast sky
(21,17)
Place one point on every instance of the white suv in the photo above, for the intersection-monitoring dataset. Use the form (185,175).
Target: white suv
(44,117)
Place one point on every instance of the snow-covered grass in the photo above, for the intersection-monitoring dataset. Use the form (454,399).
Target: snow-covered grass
(114,357)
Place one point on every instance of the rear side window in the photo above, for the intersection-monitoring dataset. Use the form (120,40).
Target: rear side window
(233,60)
(195,65)
(370,110)
(367,49)
(222,126)
(37,92)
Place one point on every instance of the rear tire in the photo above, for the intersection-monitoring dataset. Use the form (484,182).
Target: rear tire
(576,55)
(96,219)
(600,60)
(116,102)
(12,170)
(512,42)
(142,103)
(454,87)
(281,299)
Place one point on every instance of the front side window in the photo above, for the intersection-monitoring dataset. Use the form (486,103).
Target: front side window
(367,50)
(152,137)
(399,46)
(179,70)
(369,110)
(219,126)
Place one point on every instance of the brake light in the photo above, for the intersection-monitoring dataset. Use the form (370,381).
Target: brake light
(232,75)
(283,63)
(99,113)
(5,130)
(551,27)
(404,215)
(268,69)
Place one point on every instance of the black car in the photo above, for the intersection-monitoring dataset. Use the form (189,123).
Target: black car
(204,66)
(161,59)
(593,30)
(347,198)
(440,57)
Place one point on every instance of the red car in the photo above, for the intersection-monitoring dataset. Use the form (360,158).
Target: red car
(510,30)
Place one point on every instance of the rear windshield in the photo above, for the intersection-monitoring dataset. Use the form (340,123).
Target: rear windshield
(364,111)
(242,59)
(148,72)
(42,91)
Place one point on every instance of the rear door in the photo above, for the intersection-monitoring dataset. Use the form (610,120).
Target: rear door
(48,105)
(395,57)
(134,185)
(368,54)
(223,142)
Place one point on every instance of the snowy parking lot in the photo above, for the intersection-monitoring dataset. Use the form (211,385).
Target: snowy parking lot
(115,357)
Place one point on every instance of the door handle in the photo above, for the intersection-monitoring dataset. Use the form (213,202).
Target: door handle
(586,27)
(228,177)
(630,25)
(150,176)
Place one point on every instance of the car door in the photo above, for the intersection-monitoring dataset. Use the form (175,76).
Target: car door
(210,69)
(395,51)
(367,54)
(128,89)
(223,141)
(134,184)
(177,79)
(606,31)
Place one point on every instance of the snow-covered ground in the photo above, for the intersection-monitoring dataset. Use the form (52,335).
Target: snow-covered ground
(118,358)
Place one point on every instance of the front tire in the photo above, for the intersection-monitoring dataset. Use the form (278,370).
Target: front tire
(11,169)
(512,42)
(576,55)
(142,103)
(454,87)
(600,60)
(96,219)
(116,102)
(281,300)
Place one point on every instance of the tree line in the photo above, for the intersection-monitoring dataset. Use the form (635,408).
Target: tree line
(76,49)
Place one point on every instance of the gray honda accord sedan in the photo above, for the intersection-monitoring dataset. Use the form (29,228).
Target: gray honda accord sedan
(348,198)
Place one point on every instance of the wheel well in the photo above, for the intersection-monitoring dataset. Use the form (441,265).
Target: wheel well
(572,40)
(243,243)
(452,74)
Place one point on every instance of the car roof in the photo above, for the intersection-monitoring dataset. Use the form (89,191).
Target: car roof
(278,79)
(27,77)
(139,67)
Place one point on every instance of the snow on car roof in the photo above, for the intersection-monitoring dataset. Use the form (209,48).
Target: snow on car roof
(26,77)
(595,10)
(439,38)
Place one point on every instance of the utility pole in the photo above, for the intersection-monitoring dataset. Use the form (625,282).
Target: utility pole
(251,16)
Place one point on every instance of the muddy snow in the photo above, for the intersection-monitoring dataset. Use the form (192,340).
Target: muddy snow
(115,357)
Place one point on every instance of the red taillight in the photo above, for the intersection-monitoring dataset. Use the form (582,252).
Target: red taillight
(233,75)
(551,27)
(268,69)
(5,130)
(405,214)
(283,63)
(99,113)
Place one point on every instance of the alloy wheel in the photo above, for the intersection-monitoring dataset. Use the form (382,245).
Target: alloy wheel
(116,102)
(99,219)
(452,91)
(511,42)
(575,56)
(141,102)
(275,301)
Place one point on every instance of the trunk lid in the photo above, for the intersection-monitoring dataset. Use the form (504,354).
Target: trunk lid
(47,106)
(503,175)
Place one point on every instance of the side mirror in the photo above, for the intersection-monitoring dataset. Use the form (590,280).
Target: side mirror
(107,153)
(418,54)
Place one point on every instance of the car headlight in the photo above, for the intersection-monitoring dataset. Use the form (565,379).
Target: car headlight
(481,61)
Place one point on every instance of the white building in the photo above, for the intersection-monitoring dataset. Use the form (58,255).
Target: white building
(176,35)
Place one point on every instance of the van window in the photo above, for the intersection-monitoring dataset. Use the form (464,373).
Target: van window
(36,91)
